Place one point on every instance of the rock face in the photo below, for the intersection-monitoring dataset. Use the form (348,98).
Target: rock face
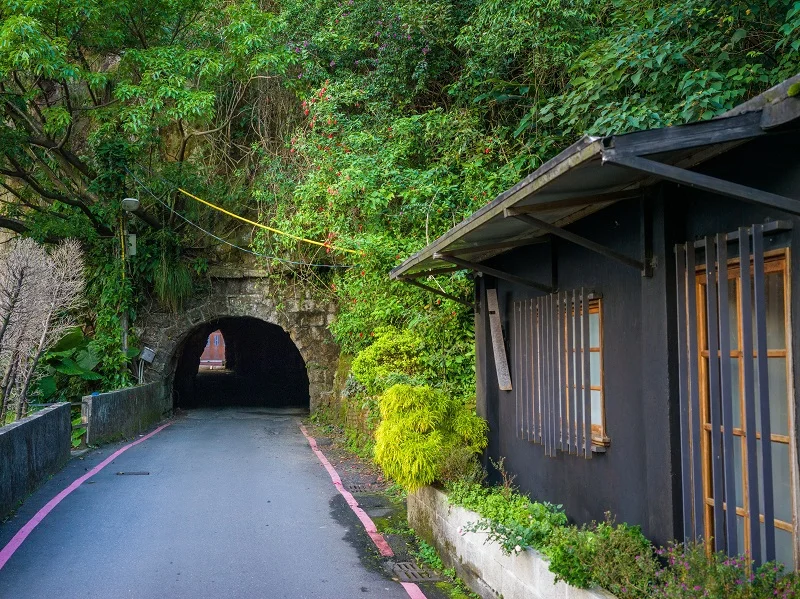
(246,293)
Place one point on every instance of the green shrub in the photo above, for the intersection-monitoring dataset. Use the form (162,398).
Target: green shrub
(691,573)
(491,503)
(572,551)
(624,562)
(392,354)
(509,518)
(417,432)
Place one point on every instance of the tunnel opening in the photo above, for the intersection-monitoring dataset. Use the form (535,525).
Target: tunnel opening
(239,361)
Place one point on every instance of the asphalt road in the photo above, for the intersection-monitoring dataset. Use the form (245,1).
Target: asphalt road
(235,505)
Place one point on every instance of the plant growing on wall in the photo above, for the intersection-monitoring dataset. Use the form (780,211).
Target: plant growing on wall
(420,428)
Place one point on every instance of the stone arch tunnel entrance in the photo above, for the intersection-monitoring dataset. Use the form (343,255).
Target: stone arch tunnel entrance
(263,367)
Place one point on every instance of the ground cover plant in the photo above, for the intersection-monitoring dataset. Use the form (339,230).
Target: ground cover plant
(616,557)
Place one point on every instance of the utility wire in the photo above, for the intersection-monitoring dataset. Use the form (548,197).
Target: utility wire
(255,224)
(233,245)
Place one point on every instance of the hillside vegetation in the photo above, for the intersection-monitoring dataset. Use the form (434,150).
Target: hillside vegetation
(364,124)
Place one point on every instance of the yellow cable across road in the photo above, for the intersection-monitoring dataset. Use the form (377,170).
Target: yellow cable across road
(255,224)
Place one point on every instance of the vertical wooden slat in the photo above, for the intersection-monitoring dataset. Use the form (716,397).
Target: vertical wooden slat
(749,395)
(587,377)
(538,407)
(726,397)
(712,335)
(694,394)
(683,387)
(570,356)
(580,422)
(550,382)
(556,381)
(534,371)
(576,375)
(546,359)
(759,285)
(561,396)
(529,368)
(525,371)
(518,366)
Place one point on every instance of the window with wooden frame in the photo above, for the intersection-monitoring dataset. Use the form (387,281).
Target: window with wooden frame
(558,367)
(737,496)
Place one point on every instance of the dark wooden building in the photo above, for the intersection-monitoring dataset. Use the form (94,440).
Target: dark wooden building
(634,304)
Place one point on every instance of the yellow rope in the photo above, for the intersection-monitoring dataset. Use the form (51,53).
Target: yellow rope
(255,224)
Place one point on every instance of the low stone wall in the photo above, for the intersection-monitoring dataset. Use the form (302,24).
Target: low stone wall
(31,450)
(483,565)
(124,413)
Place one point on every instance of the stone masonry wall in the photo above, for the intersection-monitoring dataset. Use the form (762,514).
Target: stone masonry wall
(31,450)
(247,292)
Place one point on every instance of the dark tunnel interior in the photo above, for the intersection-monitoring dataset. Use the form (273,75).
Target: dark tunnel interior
(263,368)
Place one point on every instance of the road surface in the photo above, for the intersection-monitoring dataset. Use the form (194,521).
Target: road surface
(235,504)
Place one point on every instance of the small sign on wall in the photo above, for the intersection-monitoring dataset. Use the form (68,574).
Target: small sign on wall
(498,344)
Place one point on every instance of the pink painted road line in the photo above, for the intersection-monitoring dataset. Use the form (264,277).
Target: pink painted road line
(22,534)
(414,592)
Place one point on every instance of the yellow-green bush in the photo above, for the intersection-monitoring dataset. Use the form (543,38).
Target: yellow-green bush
(420,428)
(392,353)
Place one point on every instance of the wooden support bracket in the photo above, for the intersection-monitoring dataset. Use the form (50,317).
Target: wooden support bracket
(705,182)
(557,231)
(494,272)
(438,292)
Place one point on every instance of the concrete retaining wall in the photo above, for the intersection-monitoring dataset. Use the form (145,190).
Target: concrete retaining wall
(124,413)
(31,450)
(483,565)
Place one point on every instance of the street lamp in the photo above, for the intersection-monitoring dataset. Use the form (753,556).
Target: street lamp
(130,204)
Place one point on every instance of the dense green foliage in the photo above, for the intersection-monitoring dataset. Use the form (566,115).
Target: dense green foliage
(391,355)
(420,430)
(373,125)
(616,557)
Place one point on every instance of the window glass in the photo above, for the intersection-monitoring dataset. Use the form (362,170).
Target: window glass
(597,409)
(778,396)
(784,552)
(733,314)
(782,490)
(738,470)
(774,294)
(736,403)
(594,369)
(594,329)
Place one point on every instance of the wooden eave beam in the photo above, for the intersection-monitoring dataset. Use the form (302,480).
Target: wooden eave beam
(577,239)
(705,182)
(571,202)
(494,272)
(434,272)
(500,245)
(683,137)
(437,292)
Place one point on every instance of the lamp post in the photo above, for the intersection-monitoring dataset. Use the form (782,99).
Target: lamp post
(128,205)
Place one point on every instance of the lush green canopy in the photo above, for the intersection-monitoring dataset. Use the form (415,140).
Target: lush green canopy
(369,124)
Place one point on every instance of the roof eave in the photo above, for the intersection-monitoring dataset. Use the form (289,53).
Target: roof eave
(580,152)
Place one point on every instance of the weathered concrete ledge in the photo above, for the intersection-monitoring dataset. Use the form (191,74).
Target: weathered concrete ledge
(483,565)
(32,449)
(124,413)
